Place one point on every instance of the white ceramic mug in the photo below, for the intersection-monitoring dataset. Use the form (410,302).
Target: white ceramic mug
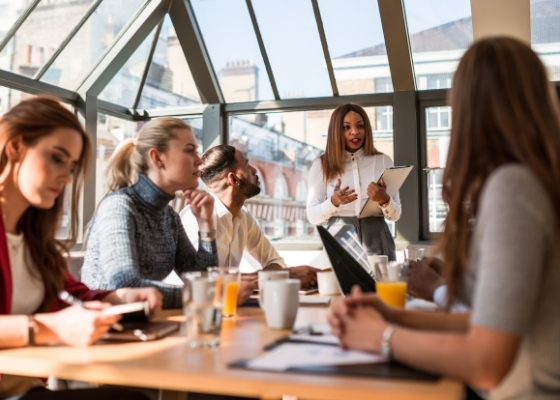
(281,301)
(268,276)
(327,283)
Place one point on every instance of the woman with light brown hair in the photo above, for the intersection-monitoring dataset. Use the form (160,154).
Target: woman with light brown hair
(43,148)
(136,238)
(348,174)
(501,240)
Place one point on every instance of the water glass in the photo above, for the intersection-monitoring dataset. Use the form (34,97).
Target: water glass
(372,260)
(391,282)
(413,254)
(202,306)
(227,285)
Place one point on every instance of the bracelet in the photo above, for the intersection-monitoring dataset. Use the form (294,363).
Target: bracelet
(207,235)
(31,330)
(385,346)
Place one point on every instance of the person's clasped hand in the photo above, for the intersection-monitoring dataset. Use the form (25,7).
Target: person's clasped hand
(342,196)
(423,280)
(350,317)
(306,274)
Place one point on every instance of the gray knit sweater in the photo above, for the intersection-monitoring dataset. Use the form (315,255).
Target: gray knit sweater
(136,239)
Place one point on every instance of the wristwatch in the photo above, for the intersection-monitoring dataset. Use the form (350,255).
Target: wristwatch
(385,346)
(207,235)
(31,329)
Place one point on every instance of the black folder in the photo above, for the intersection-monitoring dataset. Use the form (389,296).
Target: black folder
(347,269)
(387,370)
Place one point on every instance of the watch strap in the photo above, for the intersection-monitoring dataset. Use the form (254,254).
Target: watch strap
(207,235)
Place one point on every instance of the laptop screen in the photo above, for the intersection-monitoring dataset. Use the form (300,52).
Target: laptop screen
(347,237)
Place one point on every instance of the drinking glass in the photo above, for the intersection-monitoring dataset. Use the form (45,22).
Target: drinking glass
(390,282)
(202,306)
(228,282)
(413,254)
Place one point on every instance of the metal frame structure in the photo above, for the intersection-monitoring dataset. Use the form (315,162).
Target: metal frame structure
(408,103)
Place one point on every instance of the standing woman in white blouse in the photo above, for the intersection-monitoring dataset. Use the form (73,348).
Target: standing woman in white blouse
(346,175)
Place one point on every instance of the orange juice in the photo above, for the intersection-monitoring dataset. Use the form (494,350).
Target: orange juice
(392,293)
(231,290)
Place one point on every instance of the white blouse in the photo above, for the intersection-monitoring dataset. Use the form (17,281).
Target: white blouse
(28,287)
(359,171)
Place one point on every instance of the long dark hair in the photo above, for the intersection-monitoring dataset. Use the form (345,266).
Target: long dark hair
(505,111)
(333,158)
(31,120)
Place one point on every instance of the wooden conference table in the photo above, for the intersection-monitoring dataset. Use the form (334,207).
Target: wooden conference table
(171,365)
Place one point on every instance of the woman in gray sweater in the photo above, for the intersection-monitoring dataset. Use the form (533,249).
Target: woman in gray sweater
(136,238)
(501,238)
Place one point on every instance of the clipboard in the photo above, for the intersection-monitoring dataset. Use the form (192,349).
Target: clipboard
(394,177)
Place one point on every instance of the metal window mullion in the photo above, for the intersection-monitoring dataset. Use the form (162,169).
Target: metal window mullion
(19,22)
(67,40)
(262,49)
(325,45)
(112,46)
(148,64)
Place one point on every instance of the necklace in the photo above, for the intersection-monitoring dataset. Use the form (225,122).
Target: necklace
(15,242)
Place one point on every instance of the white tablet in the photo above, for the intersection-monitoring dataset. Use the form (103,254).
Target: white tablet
(394,178)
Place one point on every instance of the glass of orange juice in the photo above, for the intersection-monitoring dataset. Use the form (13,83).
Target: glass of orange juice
(227,287)
(390,283)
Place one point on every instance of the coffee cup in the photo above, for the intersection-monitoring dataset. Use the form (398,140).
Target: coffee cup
(327,283)
(268,276)
(281,302)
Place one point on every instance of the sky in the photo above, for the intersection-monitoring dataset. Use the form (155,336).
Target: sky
(290,35)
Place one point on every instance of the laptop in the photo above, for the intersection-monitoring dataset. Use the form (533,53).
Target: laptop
(348,258)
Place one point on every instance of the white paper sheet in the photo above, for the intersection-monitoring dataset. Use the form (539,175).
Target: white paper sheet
(315,300)
(289,355)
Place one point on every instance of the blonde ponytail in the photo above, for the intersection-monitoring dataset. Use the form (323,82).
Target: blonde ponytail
(131,157)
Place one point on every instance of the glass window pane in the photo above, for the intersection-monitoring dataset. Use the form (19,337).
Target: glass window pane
(10,10)
(87,46)
(112,131)
(439,31)
(438,127)
(10,97)
(124,86)
(233,49)
(282,146)
(293,46)
(356,46)
(41,33)
(169,82)
(545,34)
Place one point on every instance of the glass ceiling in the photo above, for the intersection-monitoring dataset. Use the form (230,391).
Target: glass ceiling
(255,48)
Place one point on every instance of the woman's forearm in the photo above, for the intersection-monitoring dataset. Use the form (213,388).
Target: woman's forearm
(481,357)
(13,330)
(433,321)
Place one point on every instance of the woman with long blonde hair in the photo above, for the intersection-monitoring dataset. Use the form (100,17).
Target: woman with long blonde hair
(136,238)
(348,174)
(501,240)
(43,148)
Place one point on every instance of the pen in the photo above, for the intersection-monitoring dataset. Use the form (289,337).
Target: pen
(68,298)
